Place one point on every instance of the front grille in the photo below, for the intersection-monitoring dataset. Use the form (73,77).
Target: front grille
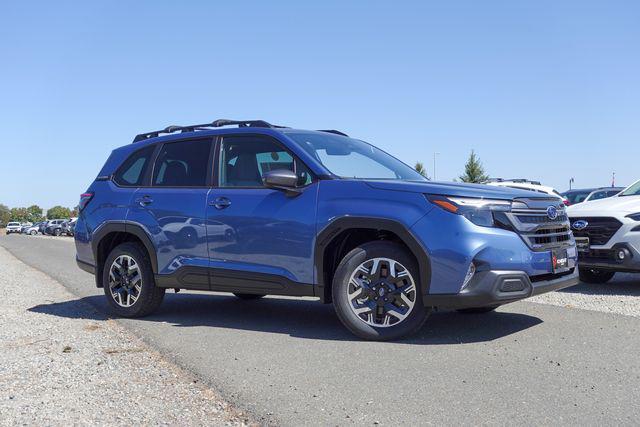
(538,219)
(600,254)
(599,230)
(536,228)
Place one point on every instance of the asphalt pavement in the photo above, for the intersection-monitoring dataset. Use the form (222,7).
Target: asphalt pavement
(289,361)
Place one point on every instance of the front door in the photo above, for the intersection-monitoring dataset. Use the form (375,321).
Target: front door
(260,239)
(172,211)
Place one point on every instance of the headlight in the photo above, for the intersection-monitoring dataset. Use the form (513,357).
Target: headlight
(635,216)
(478,211)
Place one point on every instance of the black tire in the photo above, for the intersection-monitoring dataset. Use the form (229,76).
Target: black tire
(150,296)
(478,310)
(591,275)
(57,232)
(33,232)
(248,296)
(358,326)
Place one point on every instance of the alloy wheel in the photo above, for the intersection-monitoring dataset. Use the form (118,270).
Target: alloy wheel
(125,281)
(381,292)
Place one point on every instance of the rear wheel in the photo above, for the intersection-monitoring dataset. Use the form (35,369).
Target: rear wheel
(56,232)
(478,310)
(377,293)
(592,275)
(128,282)
(248,296)
(33,232)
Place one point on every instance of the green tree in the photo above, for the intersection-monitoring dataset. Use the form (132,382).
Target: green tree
(419,167)
(35,213)
(473,170)
(59,212)
(19,214)
(5,214)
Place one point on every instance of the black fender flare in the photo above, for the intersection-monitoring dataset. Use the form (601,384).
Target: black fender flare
(124,227)
(340,224)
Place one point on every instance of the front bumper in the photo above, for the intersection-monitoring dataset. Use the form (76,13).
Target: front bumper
(496,287)
(607,259)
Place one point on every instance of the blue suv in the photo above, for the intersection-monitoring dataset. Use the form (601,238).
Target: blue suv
(255,209)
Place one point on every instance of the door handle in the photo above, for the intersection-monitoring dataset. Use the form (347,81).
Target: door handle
(144,200)
(220,203)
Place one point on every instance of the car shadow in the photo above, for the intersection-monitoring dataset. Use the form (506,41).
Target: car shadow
(298,318)
(620,285)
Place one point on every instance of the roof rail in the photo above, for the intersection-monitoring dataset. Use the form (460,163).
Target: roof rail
(337,132)
(516,180)
(215,124)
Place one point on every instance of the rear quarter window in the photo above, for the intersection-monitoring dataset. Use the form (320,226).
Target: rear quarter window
(132,171)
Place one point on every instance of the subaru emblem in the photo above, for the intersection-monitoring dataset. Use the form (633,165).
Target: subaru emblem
(580,224)
(552,212)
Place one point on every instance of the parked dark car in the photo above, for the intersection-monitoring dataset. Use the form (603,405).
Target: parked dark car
(52,225)
(68,227)
(585,194)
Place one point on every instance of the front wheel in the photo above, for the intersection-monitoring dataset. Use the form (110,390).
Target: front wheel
(592,275)
(56,232)
(33,232)
(377,293)
(128,282)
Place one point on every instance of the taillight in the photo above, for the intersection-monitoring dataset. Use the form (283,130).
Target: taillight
(566,202)
(85,198)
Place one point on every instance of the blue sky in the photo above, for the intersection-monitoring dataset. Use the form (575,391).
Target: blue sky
(545,90)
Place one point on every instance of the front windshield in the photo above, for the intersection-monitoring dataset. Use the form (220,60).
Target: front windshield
(352,158)
(633,190)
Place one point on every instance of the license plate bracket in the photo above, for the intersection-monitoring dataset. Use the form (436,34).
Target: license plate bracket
(559,260)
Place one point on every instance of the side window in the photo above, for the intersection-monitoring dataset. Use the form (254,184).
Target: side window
(131,173)
(245,159)
(182,164)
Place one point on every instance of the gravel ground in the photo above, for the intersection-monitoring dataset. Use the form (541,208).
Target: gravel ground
(70,370)
(621,295)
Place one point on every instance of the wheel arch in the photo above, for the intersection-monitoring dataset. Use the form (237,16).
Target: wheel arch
(112,234)
(340,230)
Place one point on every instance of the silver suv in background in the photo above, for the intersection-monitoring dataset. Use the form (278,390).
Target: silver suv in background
(52,225)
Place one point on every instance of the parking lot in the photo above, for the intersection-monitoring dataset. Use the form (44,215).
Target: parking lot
(567,357)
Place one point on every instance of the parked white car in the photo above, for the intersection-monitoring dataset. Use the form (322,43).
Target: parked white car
(13,227)
(607,234)
(525,184)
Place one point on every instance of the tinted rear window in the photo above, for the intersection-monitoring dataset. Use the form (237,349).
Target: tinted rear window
(131,173)
(182,164)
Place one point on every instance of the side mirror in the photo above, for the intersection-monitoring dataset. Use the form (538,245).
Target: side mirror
(282,179)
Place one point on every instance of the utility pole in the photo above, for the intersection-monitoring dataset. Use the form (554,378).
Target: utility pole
(434,165)
(570,182)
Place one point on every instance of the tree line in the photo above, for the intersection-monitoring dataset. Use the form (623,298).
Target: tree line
(473,170)
(34,214)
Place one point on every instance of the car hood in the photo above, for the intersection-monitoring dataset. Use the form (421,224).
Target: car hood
(615,204)
(456,189)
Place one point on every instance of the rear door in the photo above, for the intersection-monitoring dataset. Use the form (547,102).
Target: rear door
(172,211)
(260,239)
